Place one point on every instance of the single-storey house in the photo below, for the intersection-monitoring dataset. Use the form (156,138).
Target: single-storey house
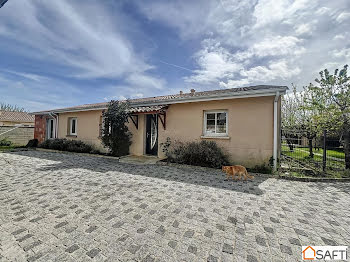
(245,122)
(12,118)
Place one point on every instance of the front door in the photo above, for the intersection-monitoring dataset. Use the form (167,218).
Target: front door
(152,134)
(51,128)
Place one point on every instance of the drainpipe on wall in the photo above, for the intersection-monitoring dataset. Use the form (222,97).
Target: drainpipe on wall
(275,131)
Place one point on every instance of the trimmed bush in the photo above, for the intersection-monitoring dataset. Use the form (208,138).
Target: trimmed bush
(203,153)
(67,145)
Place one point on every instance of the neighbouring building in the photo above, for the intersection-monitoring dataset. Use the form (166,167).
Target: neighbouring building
(245,122)
(17,127)
(12,118)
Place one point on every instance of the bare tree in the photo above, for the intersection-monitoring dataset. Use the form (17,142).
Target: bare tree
(9,107)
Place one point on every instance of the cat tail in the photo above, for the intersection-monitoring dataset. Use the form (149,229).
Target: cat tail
(249,176)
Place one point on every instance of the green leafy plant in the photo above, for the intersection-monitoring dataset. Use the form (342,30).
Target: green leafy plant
(115,133)
(203,153)
(5,142)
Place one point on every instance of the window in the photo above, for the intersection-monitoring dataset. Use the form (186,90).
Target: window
(215,123)
(73,126)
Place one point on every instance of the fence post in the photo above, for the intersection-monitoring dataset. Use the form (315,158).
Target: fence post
(324,150)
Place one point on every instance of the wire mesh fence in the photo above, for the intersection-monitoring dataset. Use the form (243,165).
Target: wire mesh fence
(317,154)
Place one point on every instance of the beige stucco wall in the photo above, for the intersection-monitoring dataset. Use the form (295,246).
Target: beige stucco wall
(87,127)
(138,136)
(250,127)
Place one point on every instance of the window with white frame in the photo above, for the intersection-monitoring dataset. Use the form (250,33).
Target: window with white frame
(215,123)
(73,126)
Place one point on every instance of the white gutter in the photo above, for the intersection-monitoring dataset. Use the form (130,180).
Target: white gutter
(275,130)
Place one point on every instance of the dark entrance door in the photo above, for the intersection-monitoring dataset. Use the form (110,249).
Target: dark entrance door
(151,135)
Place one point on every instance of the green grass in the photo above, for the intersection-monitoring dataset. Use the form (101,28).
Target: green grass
(304,151)
(335,159)
(6,148)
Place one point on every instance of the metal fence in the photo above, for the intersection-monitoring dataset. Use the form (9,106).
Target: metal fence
(317,154)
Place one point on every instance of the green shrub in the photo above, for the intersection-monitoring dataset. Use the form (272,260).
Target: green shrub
(67,145)
(203,153)
(5,142)
(346,173)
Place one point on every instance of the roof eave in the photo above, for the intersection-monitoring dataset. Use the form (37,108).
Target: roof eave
(241,94)
(233,95)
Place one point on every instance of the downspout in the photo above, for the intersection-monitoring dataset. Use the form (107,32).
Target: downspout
(275,130)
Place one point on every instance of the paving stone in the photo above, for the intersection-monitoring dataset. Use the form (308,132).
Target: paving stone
(32,245)
(19,231)
(212,259)
(251,258)
(172,244)
(227,249)
(329,242)
(63,206)
(192,249)
(261,241)
(72,248)
(286,249)
(294,241)
(91,229)
(189,233)
(24,237)
(62,224)
(148,258)
(269,229)
(93,252)
(160,230)
(133,249)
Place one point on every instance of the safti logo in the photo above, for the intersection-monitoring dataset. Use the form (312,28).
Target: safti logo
(324,252)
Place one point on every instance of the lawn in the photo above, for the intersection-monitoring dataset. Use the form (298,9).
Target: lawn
(5,148)
(304,151)
(335,159)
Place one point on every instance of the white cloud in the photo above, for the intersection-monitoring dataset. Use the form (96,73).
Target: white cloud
(263,41)
(85,38)
(343,16)
(339,37)
(342,53)
(215,63)
(278,45)
(142,80)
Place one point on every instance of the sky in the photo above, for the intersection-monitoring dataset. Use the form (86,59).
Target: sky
(62,53)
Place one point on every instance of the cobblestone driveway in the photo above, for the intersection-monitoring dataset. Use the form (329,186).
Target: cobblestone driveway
(65,207)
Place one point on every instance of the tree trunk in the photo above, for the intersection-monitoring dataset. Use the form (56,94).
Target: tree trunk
(347,148)
(311,153)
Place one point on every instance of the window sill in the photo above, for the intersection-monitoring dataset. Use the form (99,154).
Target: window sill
(71,136)
(216,137)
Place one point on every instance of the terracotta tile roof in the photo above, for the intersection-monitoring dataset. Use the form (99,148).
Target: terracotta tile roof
(16,116)
(144,109)
(168,99)
(202,94)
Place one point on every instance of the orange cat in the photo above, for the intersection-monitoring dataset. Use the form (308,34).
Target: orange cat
(236,170)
